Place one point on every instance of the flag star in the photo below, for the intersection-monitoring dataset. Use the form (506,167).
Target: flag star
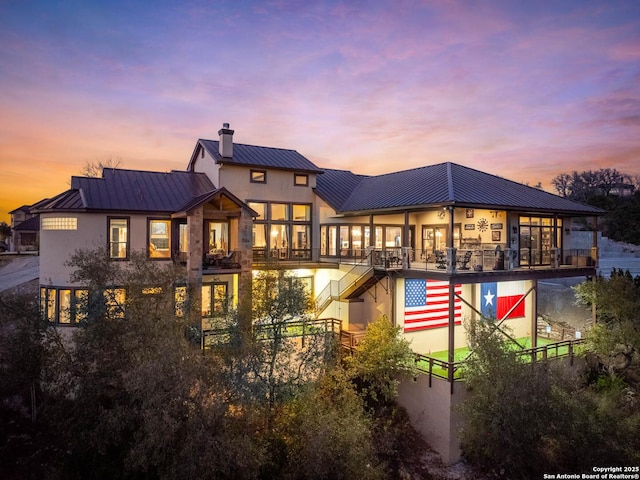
(488,298)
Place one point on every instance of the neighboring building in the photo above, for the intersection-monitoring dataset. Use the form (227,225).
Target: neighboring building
(25,229)
(427,247)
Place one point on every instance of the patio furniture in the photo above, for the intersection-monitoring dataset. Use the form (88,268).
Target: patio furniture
(441,259)
(464,261)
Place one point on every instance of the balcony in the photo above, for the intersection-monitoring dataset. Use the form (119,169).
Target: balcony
(485,260)
(263,255)
(221,260)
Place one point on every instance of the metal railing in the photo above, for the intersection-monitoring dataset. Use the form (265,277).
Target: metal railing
(290,329)
(335,288)
(434,367)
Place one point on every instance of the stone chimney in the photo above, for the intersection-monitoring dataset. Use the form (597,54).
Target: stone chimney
(225,147)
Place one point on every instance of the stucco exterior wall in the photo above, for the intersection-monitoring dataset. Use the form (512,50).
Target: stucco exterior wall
(432,413)
(59,245)
(208,166)
(278,187)
(437,339)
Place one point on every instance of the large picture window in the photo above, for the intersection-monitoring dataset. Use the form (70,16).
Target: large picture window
(282,230)
(159,238)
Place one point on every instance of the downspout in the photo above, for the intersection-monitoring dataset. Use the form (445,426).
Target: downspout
(534,320)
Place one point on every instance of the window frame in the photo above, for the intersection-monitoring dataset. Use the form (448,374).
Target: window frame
(216,300)
(303,176)
(150,235)
(50,305)
(127,242)
(283,248)
(254,172)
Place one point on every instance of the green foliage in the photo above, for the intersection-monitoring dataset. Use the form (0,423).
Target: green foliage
(274,365)
(380,361)
(22,400)
(132,397)
(328,435)
(136,396)
(526,419)
(507,408)
(598,188)
(615,339)
(5,230)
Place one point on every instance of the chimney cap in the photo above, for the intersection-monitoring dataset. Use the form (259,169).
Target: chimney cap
(225,125)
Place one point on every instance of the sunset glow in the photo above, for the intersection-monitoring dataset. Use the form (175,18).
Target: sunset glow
(524,90)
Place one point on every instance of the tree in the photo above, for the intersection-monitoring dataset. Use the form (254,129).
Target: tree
(5,230)
(94,169)
(380,361)
(528,418)
(615,338)
(328,433)
(136,397)
(285,353)
(24,431)
(562,184)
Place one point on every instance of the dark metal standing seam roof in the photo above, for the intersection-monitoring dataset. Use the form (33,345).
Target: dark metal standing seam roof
(132,190)
(335,186)
(30,224)
(266,157)
(447,184)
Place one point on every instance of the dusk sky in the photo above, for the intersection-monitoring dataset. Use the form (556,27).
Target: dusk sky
(524,89)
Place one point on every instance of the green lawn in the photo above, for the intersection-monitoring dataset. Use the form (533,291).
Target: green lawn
(461,353)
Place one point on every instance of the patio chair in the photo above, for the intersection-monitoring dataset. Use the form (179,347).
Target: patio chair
(228,261)
(441,259)
(464,261)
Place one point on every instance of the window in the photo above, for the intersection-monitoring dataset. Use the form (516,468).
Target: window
(114,299)
(282,230)
(214,299)
(64,312)
(260,208)
(62,223)
(64,306)
(180,300)
(301,179)
(118,238)
(159,239)
(301,213)
(345,240)
(258,176)
(218,233)
(51,304)
(279,211)
(183,241)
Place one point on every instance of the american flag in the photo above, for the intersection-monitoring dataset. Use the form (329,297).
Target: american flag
(426,304)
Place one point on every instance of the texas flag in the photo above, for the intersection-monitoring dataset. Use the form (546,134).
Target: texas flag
(426,304)
(499,297)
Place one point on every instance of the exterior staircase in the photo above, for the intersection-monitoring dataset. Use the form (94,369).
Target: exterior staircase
(352,284)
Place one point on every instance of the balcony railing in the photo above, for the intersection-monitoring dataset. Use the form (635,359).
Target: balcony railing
(434,367)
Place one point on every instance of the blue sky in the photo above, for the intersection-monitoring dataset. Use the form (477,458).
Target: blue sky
(525,90)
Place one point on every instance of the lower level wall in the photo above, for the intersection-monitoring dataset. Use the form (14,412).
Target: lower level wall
(432,413)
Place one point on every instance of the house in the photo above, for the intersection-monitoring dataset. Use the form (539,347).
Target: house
(25,229)
(428,247)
